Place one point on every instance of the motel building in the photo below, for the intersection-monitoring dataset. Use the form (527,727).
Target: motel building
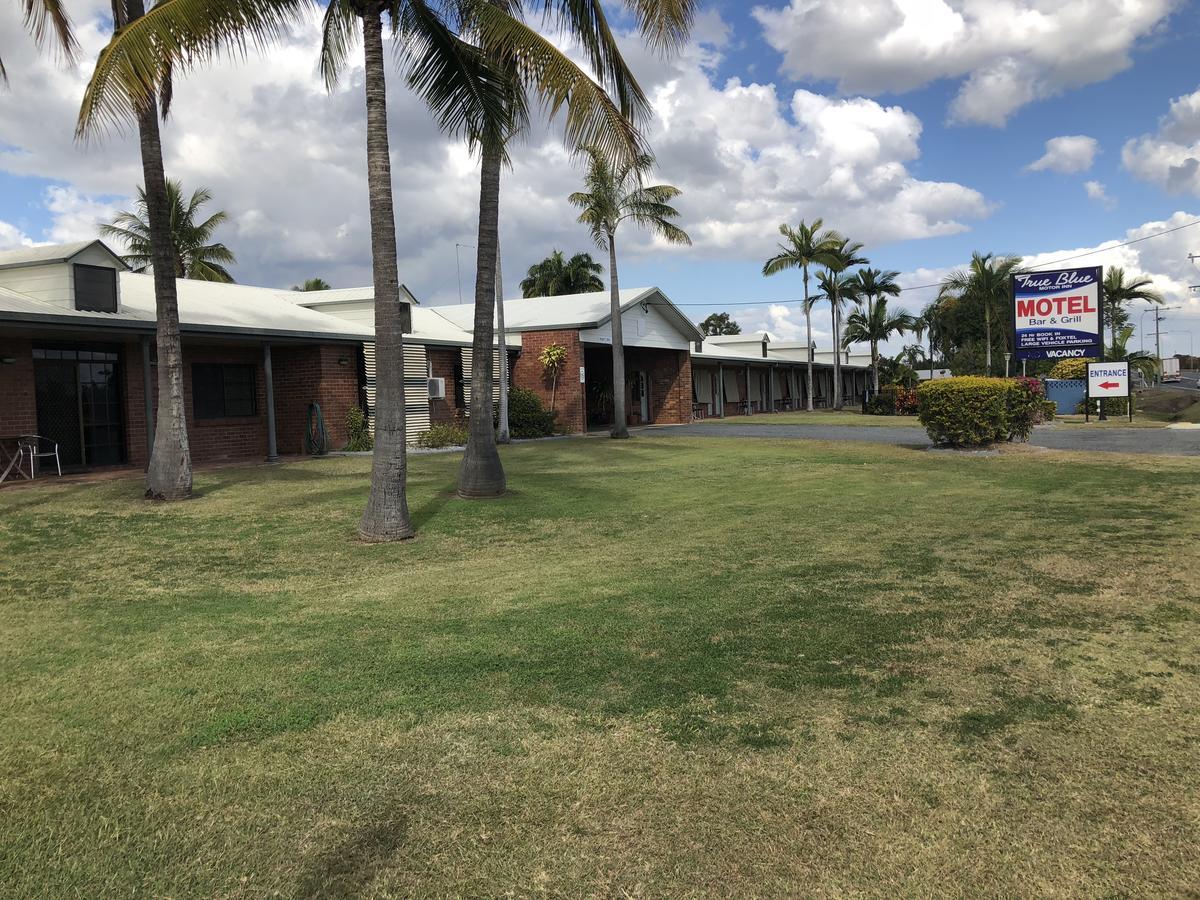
(78,361)
(78,364)
(748,374)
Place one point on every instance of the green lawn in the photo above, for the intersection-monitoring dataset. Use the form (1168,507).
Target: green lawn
(662,667)
(818,417)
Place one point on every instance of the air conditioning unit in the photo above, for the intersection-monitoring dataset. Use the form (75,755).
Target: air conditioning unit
(437,388)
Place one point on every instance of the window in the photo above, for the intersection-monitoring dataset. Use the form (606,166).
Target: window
(223,391)
(95,288)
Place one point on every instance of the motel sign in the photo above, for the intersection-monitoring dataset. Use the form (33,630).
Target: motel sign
(1058,315)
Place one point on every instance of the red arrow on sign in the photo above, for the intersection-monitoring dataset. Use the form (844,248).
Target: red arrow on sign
(1110,384)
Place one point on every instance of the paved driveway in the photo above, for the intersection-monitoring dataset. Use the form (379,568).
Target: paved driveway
(1163,441)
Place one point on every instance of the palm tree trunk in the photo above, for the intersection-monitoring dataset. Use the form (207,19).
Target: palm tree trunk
(169,474)
(502,431)
(481,473)
(620,427)
(837,357)
(808,334)
(875,363)
(987,327)
(386,515)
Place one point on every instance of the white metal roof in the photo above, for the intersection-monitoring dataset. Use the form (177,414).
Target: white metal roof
(204,307)
(572,311)
(345,295)
(51,253)
(752,337)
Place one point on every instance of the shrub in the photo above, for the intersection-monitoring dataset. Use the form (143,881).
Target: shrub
(970,411)
(1113,406)
(1048,412)
(443,434)
(892,400)
(527,417)
(1069,370)
(359,438)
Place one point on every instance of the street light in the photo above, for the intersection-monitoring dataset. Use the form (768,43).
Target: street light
(1007,357)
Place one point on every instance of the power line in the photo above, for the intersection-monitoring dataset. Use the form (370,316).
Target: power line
(922,287)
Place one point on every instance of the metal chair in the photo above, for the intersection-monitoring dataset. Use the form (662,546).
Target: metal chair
(39,447)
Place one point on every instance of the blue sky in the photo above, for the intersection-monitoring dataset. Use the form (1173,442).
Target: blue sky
(285,159)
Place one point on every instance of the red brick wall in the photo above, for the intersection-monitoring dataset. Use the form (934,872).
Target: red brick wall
(302,374)
(443,361)
(18,403)
(670,375)
(569,398)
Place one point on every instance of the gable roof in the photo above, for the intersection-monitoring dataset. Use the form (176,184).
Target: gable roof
(345,295)
(570,311)
(47,254)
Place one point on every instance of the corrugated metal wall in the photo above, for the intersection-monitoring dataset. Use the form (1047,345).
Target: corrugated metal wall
(416,386)
(467,356)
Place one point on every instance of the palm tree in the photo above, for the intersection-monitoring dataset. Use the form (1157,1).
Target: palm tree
(41,18)
(615,194)
(873,287)
(556,276)
(804,246)
(312,284)
(846,255)
(514,61)
(927,323)
(196,257)
(984,284)
(1118,294)
(837,289)
(874,325)
(1139,360)
(121,91)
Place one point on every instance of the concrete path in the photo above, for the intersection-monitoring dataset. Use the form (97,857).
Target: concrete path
(1162,441)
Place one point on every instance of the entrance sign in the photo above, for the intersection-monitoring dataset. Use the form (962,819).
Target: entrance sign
(1107,379)
(1058,315)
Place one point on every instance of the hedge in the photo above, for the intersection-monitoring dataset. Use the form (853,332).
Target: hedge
(527,416)
(971,411)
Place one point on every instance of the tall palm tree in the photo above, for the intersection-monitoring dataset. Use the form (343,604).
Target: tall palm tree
(873,287)
(556,276)
(802,247)
(846,255)
(43,18)
(196,256)
(1119,293)
(615,194)
(121,91)
(874,324)
(520,62)
(312,284)
(984,284)
(837,288)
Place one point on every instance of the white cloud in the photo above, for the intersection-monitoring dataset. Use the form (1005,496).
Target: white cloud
(1010,52)
(1096,191)
(1170,158)
(11,236)
(78,217)
(1067,154)
(287,161)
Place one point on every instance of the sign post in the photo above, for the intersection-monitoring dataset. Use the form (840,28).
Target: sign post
(1059,314)
(1108,379)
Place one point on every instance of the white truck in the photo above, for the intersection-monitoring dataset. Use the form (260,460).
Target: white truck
(1170,369)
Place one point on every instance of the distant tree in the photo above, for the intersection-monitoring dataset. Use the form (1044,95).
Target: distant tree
(312,284)
(874,328)
(195,254)
(556,276)
(1119,293)
(982,291)
(720,323)
(802,247)
(873,287)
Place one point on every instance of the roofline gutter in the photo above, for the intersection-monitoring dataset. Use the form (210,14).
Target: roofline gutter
(143,327)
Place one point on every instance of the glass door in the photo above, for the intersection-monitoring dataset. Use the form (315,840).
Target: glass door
(78,393)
